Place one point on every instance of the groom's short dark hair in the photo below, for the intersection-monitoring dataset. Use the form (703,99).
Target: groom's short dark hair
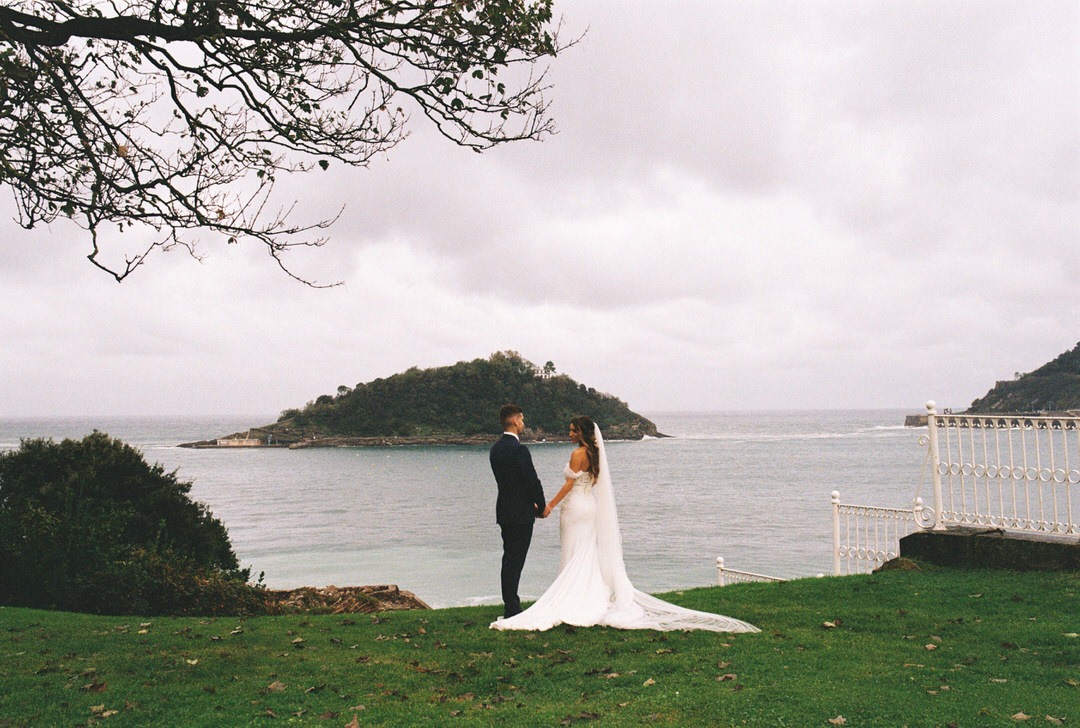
(507,412)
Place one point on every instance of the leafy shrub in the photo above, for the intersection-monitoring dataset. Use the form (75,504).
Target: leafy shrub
(88,525)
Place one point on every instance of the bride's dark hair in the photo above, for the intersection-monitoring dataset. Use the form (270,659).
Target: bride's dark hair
(587,428)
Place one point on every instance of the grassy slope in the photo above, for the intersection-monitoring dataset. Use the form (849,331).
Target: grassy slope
(1003,644)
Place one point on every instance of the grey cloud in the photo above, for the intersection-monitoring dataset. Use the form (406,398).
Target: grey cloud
(748,205)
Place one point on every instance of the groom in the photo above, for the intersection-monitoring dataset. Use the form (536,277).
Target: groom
(520,501)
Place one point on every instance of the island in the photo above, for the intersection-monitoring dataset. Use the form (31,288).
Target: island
(450,405)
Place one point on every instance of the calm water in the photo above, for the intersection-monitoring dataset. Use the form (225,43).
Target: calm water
(752,487)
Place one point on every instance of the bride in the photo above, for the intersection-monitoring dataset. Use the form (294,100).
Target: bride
(592,587)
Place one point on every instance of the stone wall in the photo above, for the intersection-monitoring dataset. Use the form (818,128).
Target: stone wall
(993,549)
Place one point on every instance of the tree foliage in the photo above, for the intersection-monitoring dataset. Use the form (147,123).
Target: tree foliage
(464,399)
(178,116)
(89,525)
(1053,387)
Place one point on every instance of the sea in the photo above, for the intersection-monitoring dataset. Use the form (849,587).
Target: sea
(751,487)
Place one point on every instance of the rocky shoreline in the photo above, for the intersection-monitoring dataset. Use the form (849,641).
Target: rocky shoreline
(277,440)
(342,600)
(339,441)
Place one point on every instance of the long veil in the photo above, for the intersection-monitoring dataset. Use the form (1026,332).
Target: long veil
(630,608)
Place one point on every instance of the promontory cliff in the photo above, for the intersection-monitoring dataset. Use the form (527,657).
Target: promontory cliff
(1053,387)
(455,404)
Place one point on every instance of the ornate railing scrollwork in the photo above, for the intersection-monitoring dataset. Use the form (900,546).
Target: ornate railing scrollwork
(865,537)
(1016,472)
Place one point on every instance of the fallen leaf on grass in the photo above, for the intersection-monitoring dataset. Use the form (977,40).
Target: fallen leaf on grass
(1020,716)
(1071,635)
(1054,720)
(838,720)
(192,662)
(99,711)
(648,682)
(354,723)
(931,646)
(829,625)
(727,676)
(276,687)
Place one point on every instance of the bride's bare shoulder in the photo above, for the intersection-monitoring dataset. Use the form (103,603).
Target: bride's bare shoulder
(579,459)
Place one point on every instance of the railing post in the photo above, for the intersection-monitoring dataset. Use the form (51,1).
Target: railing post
(935,461)
(720,571)
(836,533)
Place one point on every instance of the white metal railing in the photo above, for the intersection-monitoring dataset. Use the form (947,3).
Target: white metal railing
(725,576)
(865,537)
(1013,472)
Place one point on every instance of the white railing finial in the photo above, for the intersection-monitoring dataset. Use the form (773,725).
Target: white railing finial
(931,407)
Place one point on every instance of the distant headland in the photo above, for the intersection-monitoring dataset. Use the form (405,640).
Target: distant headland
(451,405)
(1052,389)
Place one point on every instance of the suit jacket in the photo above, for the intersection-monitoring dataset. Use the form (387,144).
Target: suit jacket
(520,492)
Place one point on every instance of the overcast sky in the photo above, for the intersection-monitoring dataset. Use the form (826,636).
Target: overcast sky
(748,205)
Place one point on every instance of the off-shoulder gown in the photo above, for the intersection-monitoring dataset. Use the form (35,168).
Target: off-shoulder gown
(592,587)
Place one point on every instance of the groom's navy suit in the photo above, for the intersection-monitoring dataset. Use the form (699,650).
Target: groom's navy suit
(521,499)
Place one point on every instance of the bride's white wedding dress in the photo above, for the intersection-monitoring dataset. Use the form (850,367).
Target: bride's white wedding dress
(592,587)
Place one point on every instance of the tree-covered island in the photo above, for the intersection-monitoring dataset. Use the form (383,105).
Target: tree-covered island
(455,404)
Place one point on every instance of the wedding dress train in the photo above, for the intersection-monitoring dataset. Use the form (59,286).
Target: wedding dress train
(592,588)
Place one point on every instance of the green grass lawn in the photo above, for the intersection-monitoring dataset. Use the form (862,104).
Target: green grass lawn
(937,647)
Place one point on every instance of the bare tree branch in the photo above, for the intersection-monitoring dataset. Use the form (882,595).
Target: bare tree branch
(181,115)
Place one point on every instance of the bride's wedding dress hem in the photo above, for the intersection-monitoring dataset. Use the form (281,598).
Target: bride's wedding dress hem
(592,588)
